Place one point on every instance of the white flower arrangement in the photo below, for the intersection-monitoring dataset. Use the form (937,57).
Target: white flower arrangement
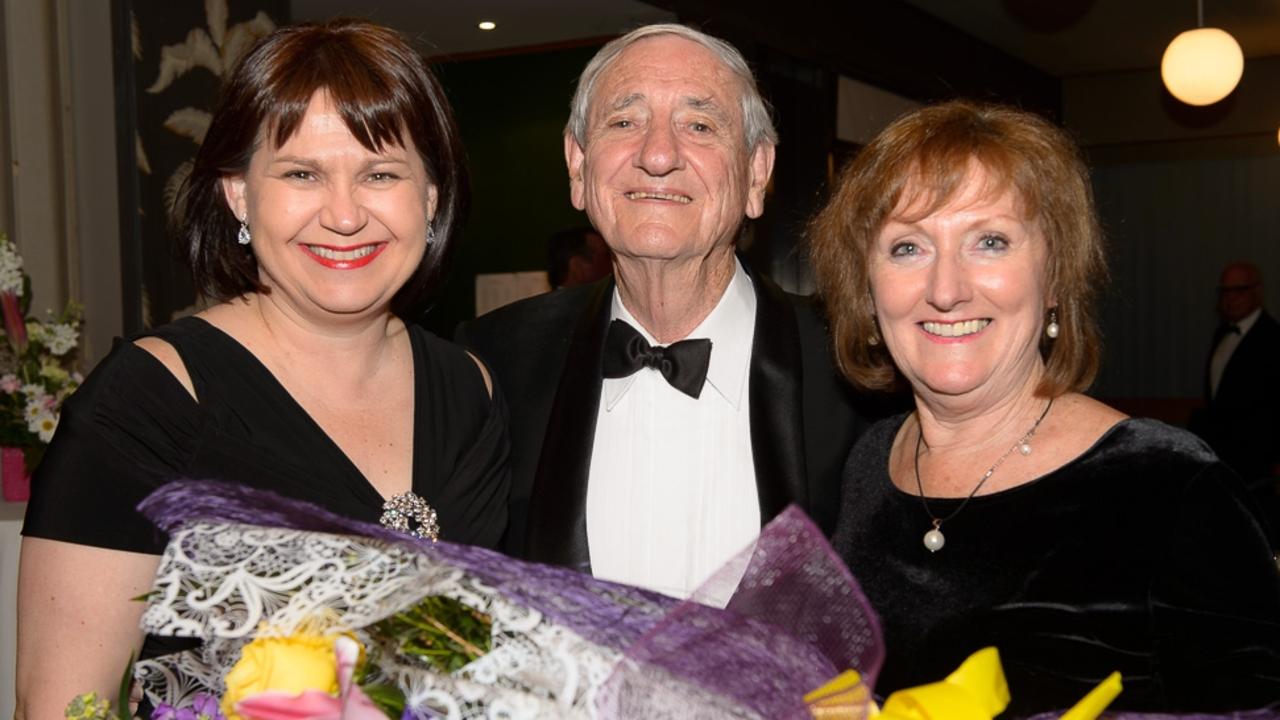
(36,361)
(11,275)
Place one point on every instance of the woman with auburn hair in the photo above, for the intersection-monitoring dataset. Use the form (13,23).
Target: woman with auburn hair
(960,253)
(324,201)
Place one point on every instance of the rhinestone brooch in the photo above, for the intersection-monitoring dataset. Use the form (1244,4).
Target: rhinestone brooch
(411,515)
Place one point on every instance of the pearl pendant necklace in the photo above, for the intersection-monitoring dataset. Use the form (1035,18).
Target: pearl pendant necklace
(934,540)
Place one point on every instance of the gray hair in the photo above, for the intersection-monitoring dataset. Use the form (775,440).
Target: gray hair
(756,123)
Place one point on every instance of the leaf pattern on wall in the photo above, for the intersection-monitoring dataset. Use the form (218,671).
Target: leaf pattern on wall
(216,50)
(177,60)
(215,13)
(140,154)
(190,123)
(173,185)
(135,36)
(181,81)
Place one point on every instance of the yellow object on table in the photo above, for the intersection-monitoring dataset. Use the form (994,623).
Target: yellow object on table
(977,690)
(1092,705)
(844,697)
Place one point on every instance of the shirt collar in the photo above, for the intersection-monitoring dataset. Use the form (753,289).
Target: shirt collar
(1247,321)
(730,327)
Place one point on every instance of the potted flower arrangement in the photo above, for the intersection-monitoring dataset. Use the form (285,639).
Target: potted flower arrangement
(36,374)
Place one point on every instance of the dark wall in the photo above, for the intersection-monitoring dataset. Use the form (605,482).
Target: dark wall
(511,111)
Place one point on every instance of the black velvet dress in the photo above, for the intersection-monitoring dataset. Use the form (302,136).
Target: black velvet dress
(1142,555)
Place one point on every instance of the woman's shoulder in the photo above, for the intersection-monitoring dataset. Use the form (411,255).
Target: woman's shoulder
(441,352)
(447,364)
(880,433)
(1152,443)
(130,378)
(874,444)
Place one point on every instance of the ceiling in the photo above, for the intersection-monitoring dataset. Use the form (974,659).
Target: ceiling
(1060,37)
(440,27)
(1072,37)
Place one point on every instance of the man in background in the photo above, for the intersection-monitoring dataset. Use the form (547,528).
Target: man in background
(1241,417)
(577,256)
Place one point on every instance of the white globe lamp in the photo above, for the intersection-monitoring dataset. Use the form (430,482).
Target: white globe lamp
(1202,66)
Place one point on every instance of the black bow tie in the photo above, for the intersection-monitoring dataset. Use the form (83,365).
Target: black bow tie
(684,364)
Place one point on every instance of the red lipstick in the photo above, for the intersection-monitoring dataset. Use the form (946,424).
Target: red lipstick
(344,258)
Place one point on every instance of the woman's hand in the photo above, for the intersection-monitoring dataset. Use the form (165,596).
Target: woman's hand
(77,622)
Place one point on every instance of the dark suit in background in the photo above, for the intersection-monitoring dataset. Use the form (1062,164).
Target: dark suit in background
(546,353)
(1241,422)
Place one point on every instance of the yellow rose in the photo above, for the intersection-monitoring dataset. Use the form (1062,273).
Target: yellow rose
(291,664)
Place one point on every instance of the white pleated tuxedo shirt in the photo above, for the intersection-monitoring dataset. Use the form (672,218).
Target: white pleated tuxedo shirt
(672,491)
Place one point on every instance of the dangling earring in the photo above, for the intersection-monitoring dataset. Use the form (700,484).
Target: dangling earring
(243,237)
(874,339)
(431,232)
(1052,328)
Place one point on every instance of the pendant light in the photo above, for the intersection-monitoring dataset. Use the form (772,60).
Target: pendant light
(1202,66)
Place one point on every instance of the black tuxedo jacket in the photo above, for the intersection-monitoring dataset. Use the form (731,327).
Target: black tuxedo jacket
(1242,422)
(546,355)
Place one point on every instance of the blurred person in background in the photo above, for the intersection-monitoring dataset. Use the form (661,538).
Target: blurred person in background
(577,256)
(1241,415)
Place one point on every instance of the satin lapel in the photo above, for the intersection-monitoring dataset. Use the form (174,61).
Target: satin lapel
(777,402)
(557,529)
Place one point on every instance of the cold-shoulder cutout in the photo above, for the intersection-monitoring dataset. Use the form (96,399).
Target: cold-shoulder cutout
(168,356)
(484,373)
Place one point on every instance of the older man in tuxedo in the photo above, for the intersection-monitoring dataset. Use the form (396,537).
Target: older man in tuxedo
(659,418)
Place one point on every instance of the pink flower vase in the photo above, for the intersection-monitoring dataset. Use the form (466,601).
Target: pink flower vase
(13,474)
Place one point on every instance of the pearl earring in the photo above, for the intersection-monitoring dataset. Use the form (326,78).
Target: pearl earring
(1052,328)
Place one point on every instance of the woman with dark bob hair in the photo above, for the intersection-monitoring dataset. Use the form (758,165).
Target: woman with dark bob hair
(324,201)
(960,254)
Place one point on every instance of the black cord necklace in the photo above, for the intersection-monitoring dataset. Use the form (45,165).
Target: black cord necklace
(934,539)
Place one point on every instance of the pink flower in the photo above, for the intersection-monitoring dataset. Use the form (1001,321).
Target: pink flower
(351,704)
(14,325)
(10,383)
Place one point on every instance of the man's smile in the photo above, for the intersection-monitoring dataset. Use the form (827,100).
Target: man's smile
(666,196)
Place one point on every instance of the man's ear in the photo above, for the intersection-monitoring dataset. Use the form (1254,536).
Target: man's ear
(573,157)
(760,170)
(233,191)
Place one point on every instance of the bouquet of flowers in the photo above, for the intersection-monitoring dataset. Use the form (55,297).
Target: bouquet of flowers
(305,615)
(302,613)
(37,372)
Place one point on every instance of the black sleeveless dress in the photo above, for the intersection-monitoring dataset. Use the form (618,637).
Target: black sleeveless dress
(132,427)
